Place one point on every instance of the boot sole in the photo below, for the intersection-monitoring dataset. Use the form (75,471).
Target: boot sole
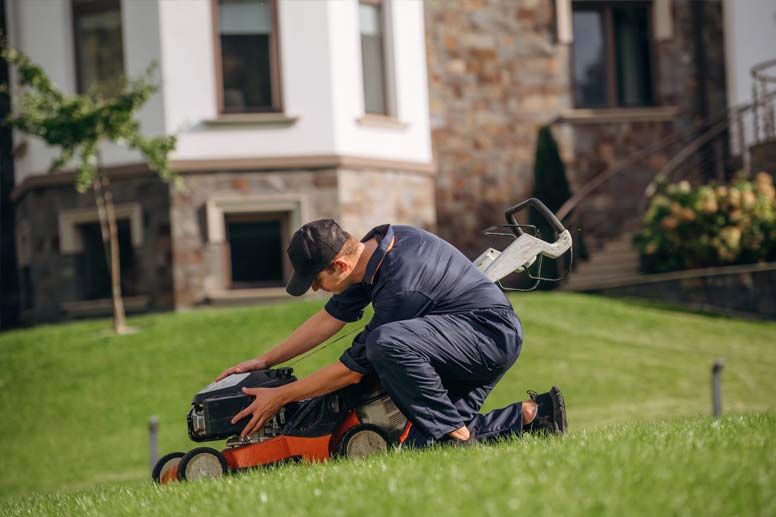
(559,410)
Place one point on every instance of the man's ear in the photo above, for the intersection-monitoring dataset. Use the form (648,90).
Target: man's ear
(342,265)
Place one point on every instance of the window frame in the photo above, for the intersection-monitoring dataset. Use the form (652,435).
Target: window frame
(605,7)
(218,207)
(389,109)
(95,6)
(274,63)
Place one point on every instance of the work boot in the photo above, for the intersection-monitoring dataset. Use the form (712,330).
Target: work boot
(550,413)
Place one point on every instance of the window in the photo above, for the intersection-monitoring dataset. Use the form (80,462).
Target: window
(612,63)
(370,15)
(257,244)
(93,270)
(99,46)
(247,46)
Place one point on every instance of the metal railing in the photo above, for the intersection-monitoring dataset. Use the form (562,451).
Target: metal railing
(764,117)
(709,149)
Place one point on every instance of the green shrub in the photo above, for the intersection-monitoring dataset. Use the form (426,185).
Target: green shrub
(713,225)
(552,188)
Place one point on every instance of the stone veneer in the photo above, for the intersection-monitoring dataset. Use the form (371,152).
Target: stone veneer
(370,198)
(358,199)
(764,157)
(497,72)
(179,264)
(495,75)
(51,277)
(198,263)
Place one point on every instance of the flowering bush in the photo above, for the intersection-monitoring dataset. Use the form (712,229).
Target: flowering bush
(712,225)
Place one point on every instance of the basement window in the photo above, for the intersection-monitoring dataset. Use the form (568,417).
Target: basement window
(92,268)
(256,249)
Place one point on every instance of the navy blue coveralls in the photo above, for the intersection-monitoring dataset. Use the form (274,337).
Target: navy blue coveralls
(441,337)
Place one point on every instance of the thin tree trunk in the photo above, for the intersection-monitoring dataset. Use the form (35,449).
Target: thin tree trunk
(110,240)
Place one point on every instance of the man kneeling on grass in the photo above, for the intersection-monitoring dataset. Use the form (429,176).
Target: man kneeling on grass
(441,337)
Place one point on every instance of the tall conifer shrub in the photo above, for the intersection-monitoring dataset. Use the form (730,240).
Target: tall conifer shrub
(552,188)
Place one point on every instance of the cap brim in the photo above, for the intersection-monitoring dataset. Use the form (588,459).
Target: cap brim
(299,284)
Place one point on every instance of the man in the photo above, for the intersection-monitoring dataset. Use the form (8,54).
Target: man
(441,337)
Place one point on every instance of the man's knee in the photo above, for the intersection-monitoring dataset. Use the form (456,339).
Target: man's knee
(384,343)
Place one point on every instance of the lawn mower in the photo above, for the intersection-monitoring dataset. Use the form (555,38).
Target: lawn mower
(355,421)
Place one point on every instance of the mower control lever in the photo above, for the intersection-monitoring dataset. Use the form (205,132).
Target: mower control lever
(540,207)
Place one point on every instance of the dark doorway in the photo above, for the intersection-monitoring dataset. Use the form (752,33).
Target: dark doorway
(93,270)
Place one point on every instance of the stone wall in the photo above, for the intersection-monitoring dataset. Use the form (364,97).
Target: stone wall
(369,198)
(358,199)
(495,75)
(733,290)
(198,263)
(180,264)
(50,280)
(764,157)
(497,72)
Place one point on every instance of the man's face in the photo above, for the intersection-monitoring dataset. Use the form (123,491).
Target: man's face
(334,279)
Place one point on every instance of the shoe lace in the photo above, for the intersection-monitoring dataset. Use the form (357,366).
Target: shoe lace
(534,396)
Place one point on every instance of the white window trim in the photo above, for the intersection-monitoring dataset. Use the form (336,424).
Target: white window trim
(389,56)
(565,27)
(218,207)
(662,20)
(391,100)
(70,240)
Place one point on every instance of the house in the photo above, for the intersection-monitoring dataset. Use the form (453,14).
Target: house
(410,111)
(286,111)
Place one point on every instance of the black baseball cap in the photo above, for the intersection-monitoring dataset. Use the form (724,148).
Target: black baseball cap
(312,248)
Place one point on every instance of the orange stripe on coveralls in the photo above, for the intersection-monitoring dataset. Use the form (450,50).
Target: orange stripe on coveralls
(390,246)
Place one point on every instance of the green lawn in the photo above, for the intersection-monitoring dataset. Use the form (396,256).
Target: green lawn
(76,401)
(683,467)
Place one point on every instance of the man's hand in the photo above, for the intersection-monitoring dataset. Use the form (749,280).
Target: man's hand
(245,366)
(267,403)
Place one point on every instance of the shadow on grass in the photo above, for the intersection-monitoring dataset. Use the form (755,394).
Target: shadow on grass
(698,310)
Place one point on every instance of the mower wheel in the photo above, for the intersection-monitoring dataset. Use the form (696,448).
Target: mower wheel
(202,463)
(363,440)
(165,464)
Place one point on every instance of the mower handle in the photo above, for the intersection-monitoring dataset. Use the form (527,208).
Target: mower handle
(540,207)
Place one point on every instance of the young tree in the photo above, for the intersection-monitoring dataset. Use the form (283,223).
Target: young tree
(77,124)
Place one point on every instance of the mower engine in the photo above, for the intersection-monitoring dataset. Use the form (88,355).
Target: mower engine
(214,406)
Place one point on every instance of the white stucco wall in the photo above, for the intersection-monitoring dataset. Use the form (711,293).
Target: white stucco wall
(320,75)
(191,85)
(405,22)
(42,30)
(750,39)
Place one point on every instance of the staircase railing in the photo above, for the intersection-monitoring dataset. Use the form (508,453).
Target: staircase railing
(764,117)
(709,149)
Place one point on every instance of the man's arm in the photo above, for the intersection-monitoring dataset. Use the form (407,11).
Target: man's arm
(268,401)
(317,329)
